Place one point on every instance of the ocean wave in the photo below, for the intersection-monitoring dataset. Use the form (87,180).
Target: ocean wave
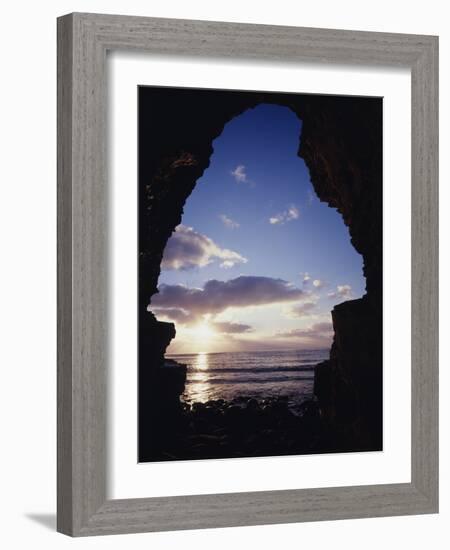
(237,370)
(262,380)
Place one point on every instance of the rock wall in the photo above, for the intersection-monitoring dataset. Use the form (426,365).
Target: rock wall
(341,143)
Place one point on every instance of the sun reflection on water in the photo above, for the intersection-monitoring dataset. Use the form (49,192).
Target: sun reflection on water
(202,360)
(200,391)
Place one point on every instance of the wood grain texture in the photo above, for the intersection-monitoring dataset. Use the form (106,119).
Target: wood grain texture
(64,299)
(424,280)
(83,40)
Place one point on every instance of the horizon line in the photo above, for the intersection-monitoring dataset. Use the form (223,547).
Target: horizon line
(243,351)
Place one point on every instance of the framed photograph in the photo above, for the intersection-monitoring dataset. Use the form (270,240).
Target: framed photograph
(247,274)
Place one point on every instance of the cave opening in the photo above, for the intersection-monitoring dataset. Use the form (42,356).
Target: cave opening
(340,154)
(250,275)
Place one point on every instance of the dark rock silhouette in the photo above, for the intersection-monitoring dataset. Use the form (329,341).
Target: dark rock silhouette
(341,143)
(161,382)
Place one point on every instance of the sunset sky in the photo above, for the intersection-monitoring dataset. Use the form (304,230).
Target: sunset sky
(257,262)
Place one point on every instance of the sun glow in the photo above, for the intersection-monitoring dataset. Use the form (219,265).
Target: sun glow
(203,332)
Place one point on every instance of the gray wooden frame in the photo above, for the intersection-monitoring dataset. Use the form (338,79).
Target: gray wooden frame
(83,40)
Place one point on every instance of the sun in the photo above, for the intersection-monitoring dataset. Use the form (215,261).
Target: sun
(203,332)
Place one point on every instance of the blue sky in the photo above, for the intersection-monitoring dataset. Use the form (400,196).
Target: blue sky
(254,224)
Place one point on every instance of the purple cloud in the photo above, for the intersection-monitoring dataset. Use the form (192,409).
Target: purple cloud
(174,314)
(217,296)
(319,334)
(232,328)
(302,309)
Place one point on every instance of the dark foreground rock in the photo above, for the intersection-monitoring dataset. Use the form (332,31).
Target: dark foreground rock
(244,428)
(161,382)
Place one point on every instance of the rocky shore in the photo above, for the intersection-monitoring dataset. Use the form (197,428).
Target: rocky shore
(243,428)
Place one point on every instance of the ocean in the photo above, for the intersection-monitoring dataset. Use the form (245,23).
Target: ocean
(258,375)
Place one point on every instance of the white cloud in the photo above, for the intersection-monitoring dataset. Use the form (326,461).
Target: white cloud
(187,249)
(227,264)
(228,222)
(316,283)
(239,174)
(342,291)
(292,213)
